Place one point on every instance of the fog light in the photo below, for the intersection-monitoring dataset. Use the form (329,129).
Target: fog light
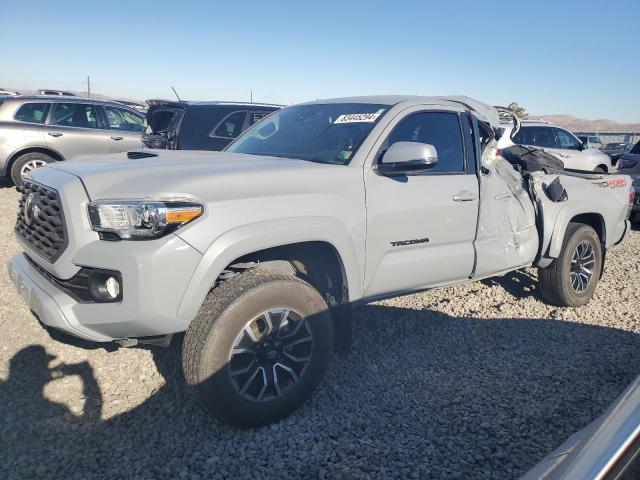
(105,285)
(113,287)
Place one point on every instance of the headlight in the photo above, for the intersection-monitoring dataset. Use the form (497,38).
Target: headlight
(141,219)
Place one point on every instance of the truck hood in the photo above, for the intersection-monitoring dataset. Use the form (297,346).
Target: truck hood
(183,174)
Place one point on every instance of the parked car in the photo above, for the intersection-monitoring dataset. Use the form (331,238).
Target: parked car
(199,125)
(60,93)
(38,130)
(591,141)
(629,164)
(616,150)
(5,92)
(565,145)
(259,252)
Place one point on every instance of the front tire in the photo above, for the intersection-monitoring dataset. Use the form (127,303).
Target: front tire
(27,163)
(258,347)
(572,278)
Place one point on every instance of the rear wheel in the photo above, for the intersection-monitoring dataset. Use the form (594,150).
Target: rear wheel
(26,163)
(599,170)
(258,347)
(572,277)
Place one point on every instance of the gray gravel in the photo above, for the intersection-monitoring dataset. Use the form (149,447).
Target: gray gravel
(475,381)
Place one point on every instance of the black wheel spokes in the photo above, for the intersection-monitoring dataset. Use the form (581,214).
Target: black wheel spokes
(270,354)
(582,266)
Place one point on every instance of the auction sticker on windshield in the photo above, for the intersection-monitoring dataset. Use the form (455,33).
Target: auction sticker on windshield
(358,117)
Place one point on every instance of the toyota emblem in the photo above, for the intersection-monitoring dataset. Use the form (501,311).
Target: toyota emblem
(29,205)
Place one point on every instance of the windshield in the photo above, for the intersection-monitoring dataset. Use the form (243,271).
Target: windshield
(325,133)
(636,149)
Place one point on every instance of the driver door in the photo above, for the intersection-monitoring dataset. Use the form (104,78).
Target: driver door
(421,227)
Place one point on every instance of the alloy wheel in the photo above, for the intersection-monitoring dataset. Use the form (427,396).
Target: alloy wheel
(31,166)
(582,265)
(270,354)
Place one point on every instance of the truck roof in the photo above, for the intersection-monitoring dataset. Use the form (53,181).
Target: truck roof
(488,112)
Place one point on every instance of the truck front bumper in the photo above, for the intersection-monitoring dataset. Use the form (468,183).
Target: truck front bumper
(154,280)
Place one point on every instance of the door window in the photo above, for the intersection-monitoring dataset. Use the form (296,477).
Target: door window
(566,140)
(536,136)
(230,126)
(440,129)
(79,115)
(32,112)
(123,120)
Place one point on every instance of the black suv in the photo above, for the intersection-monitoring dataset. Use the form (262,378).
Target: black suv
(199,125)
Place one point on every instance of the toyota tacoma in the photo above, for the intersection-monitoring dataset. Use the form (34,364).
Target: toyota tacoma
(259,252)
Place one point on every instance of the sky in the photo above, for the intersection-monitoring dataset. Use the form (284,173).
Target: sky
(553,57)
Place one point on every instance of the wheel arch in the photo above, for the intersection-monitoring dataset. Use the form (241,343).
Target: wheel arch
(593,219)
(313,247)
(35,149)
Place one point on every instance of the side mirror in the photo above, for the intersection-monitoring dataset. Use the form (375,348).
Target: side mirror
(408,158)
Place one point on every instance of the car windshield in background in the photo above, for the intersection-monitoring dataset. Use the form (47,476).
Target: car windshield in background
(325,133)
(636,149)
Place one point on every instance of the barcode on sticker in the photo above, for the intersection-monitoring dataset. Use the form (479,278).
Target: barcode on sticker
(357,117)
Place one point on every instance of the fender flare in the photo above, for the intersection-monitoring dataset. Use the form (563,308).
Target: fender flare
(258,236)
(562,222)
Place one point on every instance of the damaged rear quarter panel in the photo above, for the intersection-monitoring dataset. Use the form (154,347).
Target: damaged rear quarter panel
(605,197)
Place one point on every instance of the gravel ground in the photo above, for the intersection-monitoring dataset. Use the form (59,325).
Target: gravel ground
(474,381)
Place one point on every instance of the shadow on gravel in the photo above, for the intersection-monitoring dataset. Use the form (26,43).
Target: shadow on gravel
(518,283)
(422,395)
(6,183)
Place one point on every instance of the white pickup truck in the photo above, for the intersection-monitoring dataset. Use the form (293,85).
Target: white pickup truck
(258,252)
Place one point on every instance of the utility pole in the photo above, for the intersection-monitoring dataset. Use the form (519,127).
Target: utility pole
(88,87)
(251,95)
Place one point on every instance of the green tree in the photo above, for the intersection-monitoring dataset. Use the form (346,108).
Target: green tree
(519,110)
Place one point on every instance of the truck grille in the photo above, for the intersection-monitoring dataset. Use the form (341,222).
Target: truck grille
(40,221)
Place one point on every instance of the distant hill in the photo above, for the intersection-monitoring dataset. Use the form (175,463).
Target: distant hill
(576,124)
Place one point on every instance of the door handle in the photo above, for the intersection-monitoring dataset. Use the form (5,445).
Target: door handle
(464,196)
(503,196)
(54,134)
(117,138)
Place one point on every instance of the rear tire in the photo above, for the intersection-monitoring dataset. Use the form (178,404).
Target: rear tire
(599,170)
(26,163)
(572,278)
(258,347)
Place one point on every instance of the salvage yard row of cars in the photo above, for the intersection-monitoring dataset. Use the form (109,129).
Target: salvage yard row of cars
(55,126)
(259,252)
